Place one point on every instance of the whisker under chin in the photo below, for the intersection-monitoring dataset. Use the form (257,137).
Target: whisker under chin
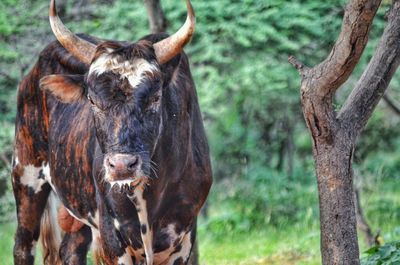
(154,170)
(130,184)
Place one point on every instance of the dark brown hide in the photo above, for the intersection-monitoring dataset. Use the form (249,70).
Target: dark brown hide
(59,142)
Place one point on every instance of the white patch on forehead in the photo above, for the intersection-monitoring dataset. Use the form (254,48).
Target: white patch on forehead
(134,70)
(32,177)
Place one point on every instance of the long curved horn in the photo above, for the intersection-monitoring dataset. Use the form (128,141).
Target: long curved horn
(167,48)
(81,49)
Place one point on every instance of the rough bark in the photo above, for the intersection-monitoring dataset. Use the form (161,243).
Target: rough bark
(334,135)
(157,20)
(376,78)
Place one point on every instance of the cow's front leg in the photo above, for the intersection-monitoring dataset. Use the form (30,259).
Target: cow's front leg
(31,193)
(115,250)
(75,246)
(183,251)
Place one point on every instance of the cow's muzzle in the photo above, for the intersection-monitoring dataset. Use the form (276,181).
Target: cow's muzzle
(123,166)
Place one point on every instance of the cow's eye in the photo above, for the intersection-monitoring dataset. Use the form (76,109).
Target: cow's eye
(154,103)
(156,99)
(91,100)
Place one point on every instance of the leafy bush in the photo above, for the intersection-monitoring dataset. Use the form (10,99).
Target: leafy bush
(388,254)
(248,93)
(263,197)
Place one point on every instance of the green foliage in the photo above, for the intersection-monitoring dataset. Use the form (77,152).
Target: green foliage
(6,242)
(249,95)
(387,254)
(243,204)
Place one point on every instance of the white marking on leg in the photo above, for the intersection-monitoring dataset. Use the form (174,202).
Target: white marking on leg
(147,236)
(47,176)
(125,259)
(96,247)
(53,204)
(95,219)
(185,250)
(163,257)
(85,221)
(33,248)
(30,178)
(96,239)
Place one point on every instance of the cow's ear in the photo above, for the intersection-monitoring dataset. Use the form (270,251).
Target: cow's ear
(66,88)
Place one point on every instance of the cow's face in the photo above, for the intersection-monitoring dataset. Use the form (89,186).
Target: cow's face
(125,92)
(123,86)
(124,89)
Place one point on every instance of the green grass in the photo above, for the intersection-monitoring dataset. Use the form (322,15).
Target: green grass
(268,246)
(257,247)
(289,243)
(7,231)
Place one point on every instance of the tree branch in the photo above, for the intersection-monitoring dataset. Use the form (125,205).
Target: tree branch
(372,85)
(353,38)
(330,74)
(298,65)
(393,106)
(320,83)
(157,20)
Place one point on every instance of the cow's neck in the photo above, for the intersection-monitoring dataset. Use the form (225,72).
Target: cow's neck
(146,231)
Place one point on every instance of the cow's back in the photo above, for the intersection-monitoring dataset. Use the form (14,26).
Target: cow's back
(54,136)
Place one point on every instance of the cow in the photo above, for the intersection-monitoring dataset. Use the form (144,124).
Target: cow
(113,130)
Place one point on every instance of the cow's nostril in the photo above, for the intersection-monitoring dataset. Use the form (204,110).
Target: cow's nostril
(111,164)
(132,165)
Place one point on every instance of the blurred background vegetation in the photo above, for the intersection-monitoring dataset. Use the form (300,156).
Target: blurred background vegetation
(263,207)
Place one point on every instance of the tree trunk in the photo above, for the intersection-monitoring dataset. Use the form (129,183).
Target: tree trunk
(337,212)
(334,134)
(157,20)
